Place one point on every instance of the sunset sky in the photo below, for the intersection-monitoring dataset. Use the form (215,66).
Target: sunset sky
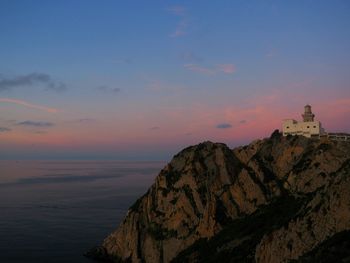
(140,80)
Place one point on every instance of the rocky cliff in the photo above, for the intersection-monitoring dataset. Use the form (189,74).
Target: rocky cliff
(279,199)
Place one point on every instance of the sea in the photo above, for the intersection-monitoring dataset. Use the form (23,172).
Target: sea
(54,211)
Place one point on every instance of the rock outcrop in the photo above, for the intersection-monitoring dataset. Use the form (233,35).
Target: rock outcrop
(275,200)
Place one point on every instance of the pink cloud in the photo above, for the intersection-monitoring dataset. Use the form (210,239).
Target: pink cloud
(256,117)
(29,105)
(226,68)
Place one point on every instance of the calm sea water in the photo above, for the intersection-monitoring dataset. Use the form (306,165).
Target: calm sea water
(52,211)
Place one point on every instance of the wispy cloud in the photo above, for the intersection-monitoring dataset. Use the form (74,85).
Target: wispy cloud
(224,126)
(155,128)
(180,29)
(226,68)
(4,129)
(8,83)
(223,68)
(41,124)
(105,88)
(190,56)
(182,24)
(81,121)
(29,105)
(177,10)
(199,69)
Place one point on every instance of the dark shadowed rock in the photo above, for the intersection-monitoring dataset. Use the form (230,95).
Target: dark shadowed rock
(274,200)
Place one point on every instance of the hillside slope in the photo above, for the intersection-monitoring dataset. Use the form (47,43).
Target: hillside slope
(275,200)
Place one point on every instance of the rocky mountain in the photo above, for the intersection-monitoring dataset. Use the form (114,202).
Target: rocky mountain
(280,199)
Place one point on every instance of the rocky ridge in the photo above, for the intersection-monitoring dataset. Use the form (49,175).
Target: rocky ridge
(275,200)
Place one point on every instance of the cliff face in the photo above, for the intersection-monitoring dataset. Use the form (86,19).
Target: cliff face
(274,200)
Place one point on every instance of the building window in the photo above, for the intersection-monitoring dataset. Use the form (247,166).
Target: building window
(308,127)
(287,127)
(314,126)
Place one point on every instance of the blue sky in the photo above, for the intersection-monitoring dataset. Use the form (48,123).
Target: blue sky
(142,79)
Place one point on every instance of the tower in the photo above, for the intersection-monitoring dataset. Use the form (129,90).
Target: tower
(308,115)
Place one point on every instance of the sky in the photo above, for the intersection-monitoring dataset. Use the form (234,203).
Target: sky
(140,80)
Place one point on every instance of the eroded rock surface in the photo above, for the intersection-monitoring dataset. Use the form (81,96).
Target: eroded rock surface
(274,200)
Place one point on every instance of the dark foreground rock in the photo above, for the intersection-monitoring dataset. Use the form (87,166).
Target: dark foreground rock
(279,199)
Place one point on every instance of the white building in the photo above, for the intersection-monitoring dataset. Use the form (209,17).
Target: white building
(308,127)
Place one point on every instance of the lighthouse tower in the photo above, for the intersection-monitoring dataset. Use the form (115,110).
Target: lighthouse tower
(309,127)
(308,115)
